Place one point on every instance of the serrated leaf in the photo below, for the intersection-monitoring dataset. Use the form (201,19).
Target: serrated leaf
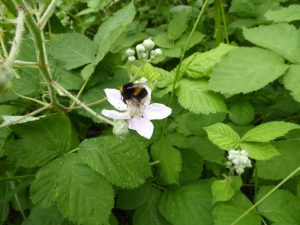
(111,29)
(78,51)
(291,80)
(270,37)
(282,165)
(197,98)
(244,70)
(46,216)
(148,213)
(125,163)
(189,204)
(280,207)
(228,212)
(269,131)
(200,64)
(78,191)
(170,162)
(223,136)
(41,141)
(260,151)
(83,196)
(286,14)
(241,113)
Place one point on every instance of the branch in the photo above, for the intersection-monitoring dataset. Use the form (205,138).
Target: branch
(61,89)
(49,11)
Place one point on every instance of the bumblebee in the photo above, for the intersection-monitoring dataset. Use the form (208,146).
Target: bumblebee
(133,92)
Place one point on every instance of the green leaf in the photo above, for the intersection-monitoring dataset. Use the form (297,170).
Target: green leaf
(286,14)
(228,212)
(197,98)
(41,141)
(244,70)
(76,189)
(224,190)
(282,165)
(260,151)
(148,213)
(280,207)
(192,124)
(192,165)
(134,198)
(241,113)
(73,49)
(111,29)
(291,80)
(200,64)
(46,216)
(189,204)
(170,162)
(4,133)
(180,16)
(269,131)
(82,192)
(223,136)
(87,71)
(124,163)
(270,37)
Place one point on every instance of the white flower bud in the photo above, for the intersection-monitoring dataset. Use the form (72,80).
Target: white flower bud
(130,52)
(239,170)
(244,153)
(131,58)
(140,48)
(143,55)
(148,44)
(157,52)
(143,80)
(228,164)
(120,128)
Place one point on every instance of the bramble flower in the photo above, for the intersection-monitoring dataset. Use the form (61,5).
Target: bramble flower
(238,160)
(138,116)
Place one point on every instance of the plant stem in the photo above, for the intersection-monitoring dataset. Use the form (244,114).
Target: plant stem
(154,163)
(16,177)
(80,92)
(31,99)
(26,64)
(42,58)
(224,21)
(48,13)
(15,47)
(89,104)
(60,89)
(3,44)
(28,115)
(267,195)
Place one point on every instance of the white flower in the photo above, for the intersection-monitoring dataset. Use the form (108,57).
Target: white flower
(238,160)
(140,48)
(120,128)
(131,58)
(138,116)
(130,52)
(148,44)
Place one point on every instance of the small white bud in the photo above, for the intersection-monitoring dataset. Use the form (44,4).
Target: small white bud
(228,164)
(143,80)
(157,52)
(239,170)
(131,58)
(148,44)
(244,153)
(140,48)
(120,128)
(130,52)
(143,55)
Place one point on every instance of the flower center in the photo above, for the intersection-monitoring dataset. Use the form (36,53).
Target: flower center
(135,108)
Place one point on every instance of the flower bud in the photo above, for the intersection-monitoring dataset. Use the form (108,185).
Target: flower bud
(131,58)
(148,44)
(120,128)
(157,52)
(143,55)
(239,170)
(130,52)
(140,48)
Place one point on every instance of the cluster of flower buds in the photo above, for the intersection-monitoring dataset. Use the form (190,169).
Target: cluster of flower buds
(144,51)
(238,160)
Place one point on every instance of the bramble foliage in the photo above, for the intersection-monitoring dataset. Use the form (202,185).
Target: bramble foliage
(230,72)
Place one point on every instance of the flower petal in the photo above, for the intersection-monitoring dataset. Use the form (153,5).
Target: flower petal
(143,126)
(114,97)
(148,98)
(156,111)
(115,114)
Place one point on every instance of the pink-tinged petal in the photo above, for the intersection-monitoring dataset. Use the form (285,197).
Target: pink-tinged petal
(143,126)
(156,111)
(113,114)
(114,97)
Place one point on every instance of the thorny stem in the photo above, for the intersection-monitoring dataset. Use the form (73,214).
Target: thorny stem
(28,115)
(31,99)
(20,63)
(60,89)
(80,92)
(2,44)
(266,196)
(48,13)
(17,39)
(89,104)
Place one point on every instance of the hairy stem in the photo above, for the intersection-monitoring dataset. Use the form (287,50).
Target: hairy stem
(61,89)
(46,16)
(15,47)
(20,63)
